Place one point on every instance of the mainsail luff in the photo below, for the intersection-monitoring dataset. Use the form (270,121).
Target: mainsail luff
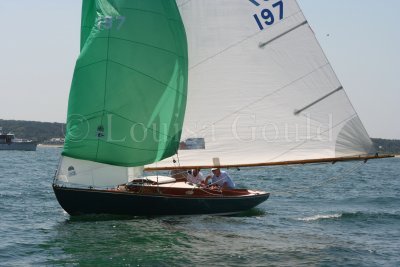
(261,89)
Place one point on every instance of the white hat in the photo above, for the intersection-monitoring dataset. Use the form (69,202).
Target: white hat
(214,169)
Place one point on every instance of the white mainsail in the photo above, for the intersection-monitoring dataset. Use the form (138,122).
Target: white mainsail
(261,89)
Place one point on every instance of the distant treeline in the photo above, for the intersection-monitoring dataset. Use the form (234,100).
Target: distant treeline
(33,130)
(387,146)
(44,131)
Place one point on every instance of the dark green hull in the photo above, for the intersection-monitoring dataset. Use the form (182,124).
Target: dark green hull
(88,201)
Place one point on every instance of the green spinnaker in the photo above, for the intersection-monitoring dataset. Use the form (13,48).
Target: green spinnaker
(128,95)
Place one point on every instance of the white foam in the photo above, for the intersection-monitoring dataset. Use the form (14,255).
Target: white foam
(321,217)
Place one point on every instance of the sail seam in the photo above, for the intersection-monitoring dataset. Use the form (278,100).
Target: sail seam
(135,164)
(149,11)
(90,64)
(144,74)
(133,69)
(118,67)
(241,41)
(130,147)
(144,44)
(113,143)
(305,141)
(90,114)
(348,99)
(266,96)
(271,160)
(122,117)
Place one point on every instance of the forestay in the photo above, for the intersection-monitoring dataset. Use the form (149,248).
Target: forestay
(261,89)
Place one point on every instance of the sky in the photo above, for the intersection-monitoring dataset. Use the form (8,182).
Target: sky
(40,43)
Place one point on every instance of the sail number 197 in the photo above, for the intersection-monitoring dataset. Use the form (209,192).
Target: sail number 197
(266,16)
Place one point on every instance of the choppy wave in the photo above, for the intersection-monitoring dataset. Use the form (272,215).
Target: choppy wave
(352,223)
(370,215)
(351,215)
(321,217)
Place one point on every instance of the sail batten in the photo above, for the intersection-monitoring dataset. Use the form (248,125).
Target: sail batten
(297,112)
(262,45)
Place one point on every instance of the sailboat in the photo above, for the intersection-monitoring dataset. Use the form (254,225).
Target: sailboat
(174,85)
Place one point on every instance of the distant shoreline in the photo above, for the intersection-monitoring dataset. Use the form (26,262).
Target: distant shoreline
(52,146)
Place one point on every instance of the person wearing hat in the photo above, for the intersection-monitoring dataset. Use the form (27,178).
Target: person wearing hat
(220,178)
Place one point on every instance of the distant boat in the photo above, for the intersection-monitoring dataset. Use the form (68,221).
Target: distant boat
(9,142)
(53,142)
(175,85)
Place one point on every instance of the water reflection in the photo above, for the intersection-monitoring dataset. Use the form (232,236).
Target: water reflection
(103,239)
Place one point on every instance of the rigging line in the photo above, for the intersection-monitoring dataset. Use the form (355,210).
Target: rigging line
(213,183)
(262,45)
(210,193)
(297,112)
(239,42)
(336,177)
(262,98)
(92,178)
(337,78)
(177,155)
(105,91)
(309,139)
(341,175)
(57,171)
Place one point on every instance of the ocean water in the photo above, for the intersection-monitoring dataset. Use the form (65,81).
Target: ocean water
(346,214)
